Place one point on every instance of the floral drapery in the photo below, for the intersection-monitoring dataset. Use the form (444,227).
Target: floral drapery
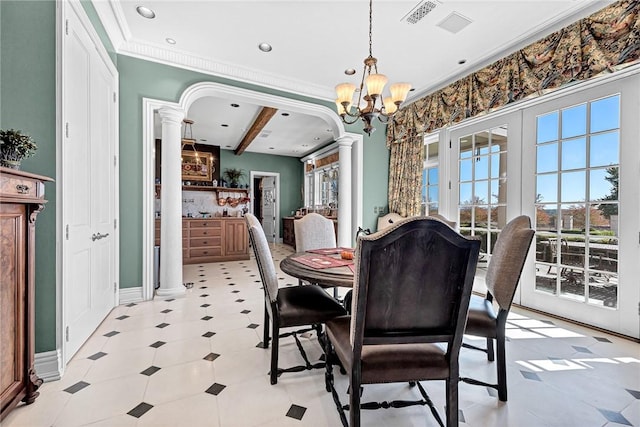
(602,42)
(405,170)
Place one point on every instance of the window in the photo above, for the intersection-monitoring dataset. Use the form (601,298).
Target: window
(430,176)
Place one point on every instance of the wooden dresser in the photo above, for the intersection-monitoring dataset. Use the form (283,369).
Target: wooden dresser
(21,199)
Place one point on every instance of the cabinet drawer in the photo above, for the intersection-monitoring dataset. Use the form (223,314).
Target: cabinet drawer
(206,224)
(18,186)
(201,242)
(204,232)
(205,252)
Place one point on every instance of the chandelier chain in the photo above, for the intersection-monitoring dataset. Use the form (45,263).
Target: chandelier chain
(370,27)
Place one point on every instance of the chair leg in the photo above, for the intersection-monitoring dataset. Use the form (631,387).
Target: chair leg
(265,329)
(490,352)
(452,402)
(275,334)
(501,366)
(354,399)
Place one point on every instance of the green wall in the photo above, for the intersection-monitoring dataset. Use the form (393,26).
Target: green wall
(290,169)
(28,102)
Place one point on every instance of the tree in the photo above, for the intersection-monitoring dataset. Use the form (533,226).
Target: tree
(609,209)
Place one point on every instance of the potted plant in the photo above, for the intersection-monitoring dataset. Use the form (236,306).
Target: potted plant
(234,176)
(15,146)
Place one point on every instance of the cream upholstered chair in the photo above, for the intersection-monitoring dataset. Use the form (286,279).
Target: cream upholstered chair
(410,298)
(503,274)
(314,231)
(388,220)
(288,307)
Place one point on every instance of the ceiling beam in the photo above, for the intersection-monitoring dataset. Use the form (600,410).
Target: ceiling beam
(260,122)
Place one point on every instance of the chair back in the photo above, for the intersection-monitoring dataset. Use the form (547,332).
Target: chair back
(413,284)
(507,260)
(451,224)
(263,257)
(388,220)
(314,231)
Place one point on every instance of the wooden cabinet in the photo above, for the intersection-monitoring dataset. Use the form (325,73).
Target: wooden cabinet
(21,198)
(211,239)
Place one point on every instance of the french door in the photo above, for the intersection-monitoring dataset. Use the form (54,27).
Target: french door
(581,191)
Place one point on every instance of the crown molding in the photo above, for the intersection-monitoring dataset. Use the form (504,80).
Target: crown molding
(112,18)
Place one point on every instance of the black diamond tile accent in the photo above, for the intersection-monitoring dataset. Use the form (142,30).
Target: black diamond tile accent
(280,278)
(614,417)
(296,412)
(168,310)
(231,284)
(257,281)
(208,334)
(559,361)
(140,410)
(461,416)
(170,299)
(602,339)
(530,375)
(260,344)
(124,316)
(162,325)
(205,305)
(157,344)
(202,281)
(240,300)
(76,387)
(204,295)
(634,393)
(132,304)
(207,318)
(245,311)
(581,349)
(150,371)
(211,357)
(252,326)
(252,275)
(235,292)
(215,389)
(548,322)
(110,334)
(203,287)
(97,356)
(226,272)
(201,275)
(492,392)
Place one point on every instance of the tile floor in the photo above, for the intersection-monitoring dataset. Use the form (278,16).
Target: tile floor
(195,361)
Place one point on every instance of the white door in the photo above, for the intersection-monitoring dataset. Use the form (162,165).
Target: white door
(582,168)
(269,207)
(88,182)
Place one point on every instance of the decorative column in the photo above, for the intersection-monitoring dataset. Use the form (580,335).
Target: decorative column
(171,209)
(345,232)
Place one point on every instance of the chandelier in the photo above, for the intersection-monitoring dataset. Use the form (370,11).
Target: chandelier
(375,83)
(189,140)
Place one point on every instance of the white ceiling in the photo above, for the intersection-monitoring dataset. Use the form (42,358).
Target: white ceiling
(314,42)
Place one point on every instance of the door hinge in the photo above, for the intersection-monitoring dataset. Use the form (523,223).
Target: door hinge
(115,223)
(449,143)
(66,26)
(114,97)
(449,185)
(66,129)
(66,233)
(66,333)
(115,160)
(115,287)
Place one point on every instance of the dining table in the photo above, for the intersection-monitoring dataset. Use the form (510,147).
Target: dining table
(325,267)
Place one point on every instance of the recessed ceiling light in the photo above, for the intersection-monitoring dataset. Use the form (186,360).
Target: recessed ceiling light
(305,145)
(203,140)
(228,146)
(462,61)
(145,12)
(328,130)
(271,148)
(412,89)
(170,40)
(285,114)
(235,105)
(224,125)
(316,138)
(265,47)
(349,71)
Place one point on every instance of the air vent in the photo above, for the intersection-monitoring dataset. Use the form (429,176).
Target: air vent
(454,22)
(419,12)
(264,134)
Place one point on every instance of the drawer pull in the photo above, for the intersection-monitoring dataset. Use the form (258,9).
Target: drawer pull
(205,233)
(22,189)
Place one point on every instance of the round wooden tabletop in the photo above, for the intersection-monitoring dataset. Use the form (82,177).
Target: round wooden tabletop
(326,277)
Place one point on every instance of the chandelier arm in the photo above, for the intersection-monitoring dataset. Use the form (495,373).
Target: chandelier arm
(344,119)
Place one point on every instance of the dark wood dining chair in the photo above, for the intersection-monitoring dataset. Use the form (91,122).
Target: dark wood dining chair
(411,294)
(288,307)
(503,274)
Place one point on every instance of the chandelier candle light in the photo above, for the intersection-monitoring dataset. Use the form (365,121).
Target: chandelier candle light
(375,84)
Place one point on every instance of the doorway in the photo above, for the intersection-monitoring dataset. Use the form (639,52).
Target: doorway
(265,200)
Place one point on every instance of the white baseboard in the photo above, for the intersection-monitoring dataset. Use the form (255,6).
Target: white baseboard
(128,295)
(48,365)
